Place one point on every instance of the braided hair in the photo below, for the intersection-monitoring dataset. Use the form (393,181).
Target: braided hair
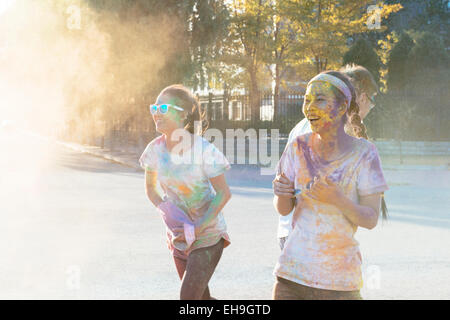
(354,120)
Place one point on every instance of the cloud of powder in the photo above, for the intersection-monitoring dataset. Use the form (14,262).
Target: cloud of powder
(67,66)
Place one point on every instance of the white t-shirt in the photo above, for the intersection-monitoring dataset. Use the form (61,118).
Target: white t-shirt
(185,181)
(321,251)
(285,222)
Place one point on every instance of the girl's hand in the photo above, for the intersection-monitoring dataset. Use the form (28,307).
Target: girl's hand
(325,190)
(172,215)
(177,221)
(223,195)
(201,224)
(199,228)
(283,187)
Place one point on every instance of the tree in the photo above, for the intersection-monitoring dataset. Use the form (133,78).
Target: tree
(394,111)
(397,64)
(278,53)
(206,31)
(417,78)
(200,25)
(126,51)
(308,34)
(419,15)
(384,50)
(245,44)
(428,77)
(325,26)
(362,53)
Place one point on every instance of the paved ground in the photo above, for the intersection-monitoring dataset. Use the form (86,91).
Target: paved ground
(77,226)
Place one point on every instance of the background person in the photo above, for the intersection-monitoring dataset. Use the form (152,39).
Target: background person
(195,189)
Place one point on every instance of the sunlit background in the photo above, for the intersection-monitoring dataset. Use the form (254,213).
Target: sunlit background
(65,70)
(63,63)
(85,71)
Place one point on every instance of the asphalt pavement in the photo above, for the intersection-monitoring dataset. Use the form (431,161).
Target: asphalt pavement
(77,226)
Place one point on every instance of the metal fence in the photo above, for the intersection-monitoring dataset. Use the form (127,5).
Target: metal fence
(394,118)
(234,111)
(415,117)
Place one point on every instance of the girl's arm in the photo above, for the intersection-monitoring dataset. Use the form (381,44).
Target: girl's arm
(150,188)
(284,199)
(223,195)
(283,205)
(364,214)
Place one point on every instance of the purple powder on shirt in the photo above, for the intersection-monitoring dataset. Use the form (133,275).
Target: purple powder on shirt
(307,154)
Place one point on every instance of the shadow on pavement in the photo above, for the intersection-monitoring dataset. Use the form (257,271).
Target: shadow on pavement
(92,163)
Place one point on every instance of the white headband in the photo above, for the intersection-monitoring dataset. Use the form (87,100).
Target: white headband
(335,81)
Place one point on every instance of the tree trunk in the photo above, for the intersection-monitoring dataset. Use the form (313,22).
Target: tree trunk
(254,97)
(226,102)
(276,100)
(210,111)
(317,64)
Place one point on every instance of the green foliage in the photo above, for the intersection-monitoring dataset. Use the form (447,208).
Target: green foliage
(201,29)
(418,64)
(428,72)
(428,52)
(325,26)
(397,64)
(362,53)
(435,18)
(418,76)
(385,47)
(248,43)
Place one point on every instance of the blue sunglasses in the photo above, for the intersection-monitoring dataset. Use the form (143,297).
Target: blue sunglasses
(163,108)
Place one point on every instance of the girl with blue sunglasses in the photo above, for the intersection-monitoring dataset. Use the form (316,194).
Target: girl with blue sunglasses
(163,108)
(194,189)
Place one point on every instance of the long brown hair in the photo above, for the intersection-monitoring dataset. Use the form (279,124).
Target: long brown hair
(353,118)
(188,101)
(361,79)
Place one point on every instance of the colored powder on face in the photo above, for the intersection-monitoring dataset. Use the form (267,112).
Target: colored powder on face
(175,115)
(334,112)
(327,109)
(172,114)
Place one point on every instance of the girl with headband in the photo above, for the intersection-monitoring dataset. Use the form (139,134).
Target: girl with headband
(337,187)
(190,171)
